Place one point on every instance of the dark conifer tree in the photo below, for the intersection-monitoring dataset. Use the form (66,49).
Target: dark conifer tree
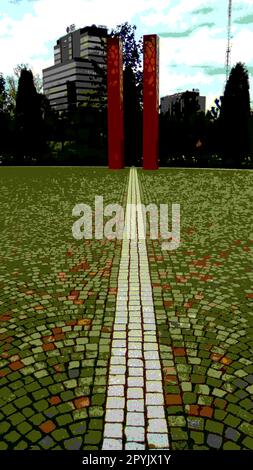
(29,127)
(235,116)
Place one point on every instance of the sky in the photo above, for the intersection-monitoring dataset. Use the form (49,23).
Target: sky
(193,35)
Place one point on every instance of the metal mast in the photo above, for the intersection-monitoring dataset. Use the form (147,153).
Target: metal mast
(228,51)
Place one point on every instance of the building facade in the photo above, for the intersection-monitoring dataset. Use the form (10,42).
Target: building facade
(170,102)
(74,77)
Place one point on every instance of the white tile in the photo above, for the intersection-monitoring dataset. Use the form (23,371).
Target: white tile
(135,405)
(154,399)
(133,345)
(115,370)
(115,391)
(134,446)
(134,433)
(135,363)
(153,375)
(152,364)
(114,416)
(118,343)
(158,441)
(112,444)
(150,347)
(151,355)
(155,411)
(135,419)
(135,353)
(135,371)
(157,426)
(115,402)
(117,379)
(113,430)
(135,392)
(118,352)
(120,335)
(118,361)
(155,386)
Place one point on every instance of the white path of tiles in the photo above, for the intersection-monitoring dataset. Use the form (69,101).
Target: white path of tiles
(135,417)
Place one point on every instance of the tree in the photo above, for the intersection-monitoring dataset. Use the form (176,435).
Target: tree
(3,94)
(132,52)
(4,120)
(235,117)
(12,85)
(132,87)
(28,116)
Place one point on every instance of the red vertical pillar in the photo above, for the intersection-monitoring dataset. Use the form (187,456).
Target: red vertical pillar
(115,103)
(150,101)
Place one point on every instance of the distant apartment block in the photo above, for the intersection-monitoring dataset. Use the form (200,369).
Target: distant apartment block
(170,102)
(73,76)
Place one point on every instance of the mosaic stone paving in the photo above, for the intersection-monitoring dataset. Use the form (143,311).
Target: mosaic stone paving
(135,417)
(57,306)
(203,296)
(58,302)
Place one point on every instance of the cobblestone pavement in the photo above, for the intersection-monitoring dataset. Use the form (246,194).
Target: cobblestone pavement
(135,416)
(60,314)
(203,295)
(57,307)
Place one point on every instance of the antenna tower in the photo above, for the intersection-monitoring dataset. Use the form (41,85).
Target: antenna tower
(228,51)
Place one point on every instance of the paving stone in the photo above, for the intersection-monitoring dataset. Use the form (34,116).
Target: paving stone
(214,441)
(248,443)
(232,434)
(73,443)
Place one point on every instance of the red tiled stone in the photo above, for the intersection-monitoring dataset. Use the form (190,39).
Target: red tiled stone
(55,400)
(3,373)
(56,330)
(226,361)
(84,321)
(59,337)
(5,317)
(171,379)
(206,411)
(179,351)
(105,329)
(16,365)
(82,402)
(48,339)
(168,303)
(193,410)
(216,357)
(173,399)
(48,347)
(47,426)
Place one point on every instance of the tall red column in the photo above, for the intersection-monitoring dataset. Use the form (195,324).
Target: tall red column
(115,103)
(150,101)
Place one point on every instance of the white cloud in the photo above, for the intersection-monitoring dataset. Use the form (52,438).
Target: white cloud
(31,39)
(48,21)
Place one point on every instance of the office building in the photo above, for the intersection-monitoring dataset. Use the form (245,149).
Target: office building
(74,76)
(170,102)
